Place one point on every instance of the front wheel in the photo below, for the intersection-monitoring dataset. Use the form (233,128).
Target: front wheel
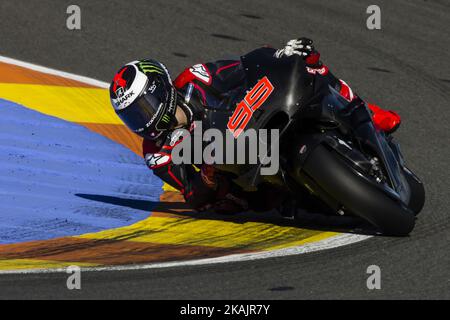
(417,200)
(357,194)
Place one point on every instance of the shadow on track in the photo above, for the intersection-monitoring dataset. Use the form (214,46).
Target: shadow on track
(307,220)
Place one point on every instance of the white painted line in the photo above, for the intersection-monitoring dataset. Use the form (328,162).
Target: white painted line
(54,72)
(330,243)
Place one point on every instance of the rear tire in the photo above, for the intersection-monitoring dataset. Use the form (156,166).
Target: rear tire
(358,195)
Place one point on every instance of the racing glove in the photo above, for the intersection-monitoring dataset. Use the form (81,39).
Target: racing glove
(303,47)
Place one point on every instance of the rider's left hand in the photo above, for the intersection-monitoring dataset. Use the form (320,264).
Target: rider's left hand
(303,47)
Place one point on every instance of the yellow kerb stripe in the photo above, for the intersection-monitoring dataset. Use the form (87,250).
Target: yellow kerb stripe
(22,264)
(212,233)
(71,104)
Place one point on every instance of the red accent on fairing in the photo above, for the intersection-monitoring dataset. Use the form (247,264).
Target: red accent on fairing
(209,74)
(187,77)
(184,78)
(374,108)
(322,70)
(313,58)
(346,91)
(118,80)
(227,67)
(383,119)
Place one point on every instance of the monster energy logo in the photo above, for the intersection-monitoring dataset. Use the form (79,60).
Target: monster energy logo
(148,67)
(165,118)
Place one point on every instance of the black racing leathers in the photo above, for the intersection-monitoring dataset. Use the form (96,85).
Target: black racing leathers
(201,85)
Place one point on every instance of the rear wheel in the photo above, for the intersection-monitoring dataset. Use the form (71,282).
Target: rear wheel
(357,194)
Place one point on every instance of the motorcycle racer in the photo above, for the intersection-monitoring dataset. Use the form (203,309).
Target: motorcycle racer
(153,106)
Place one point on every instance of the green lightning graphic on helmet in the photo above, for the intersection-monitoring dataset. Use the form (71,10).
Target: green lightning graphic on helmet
(148,67)
(165,118)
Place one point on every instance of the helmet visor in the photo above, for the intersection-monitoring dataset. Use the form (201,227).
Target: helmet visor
(142,113)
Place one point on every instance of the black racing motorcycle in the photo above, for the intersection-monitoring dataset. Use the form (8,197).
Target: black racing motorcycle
(329,147)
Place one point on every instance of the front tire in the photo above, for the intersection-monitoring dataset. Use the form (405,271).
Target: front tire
(357,194)
(417,200)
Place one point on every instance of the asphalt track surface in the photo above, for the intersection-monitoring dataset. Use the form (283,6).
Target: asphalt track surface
(405,65)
